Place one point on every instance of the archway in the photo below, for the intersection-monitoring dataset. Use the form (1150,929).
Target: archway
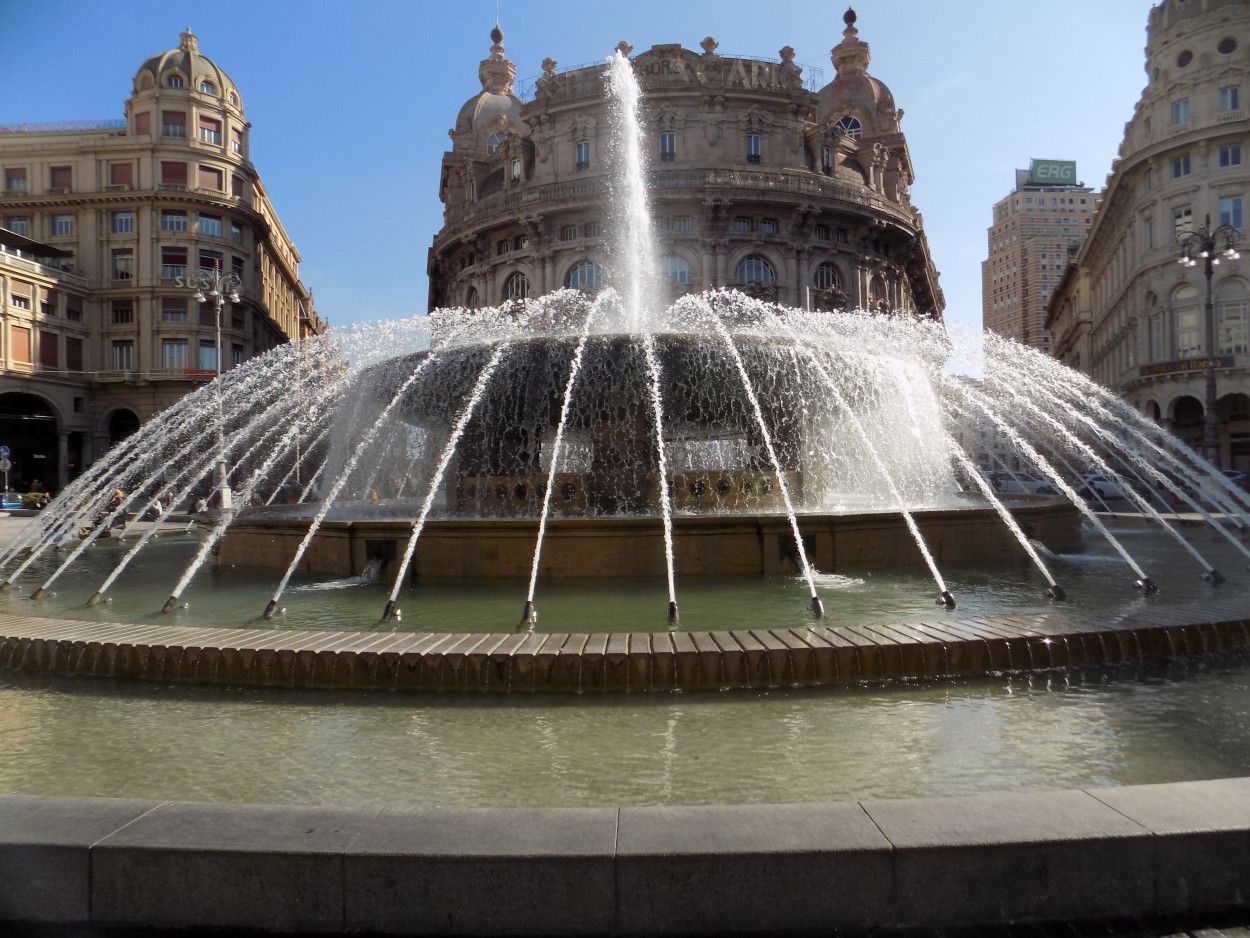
(122,423)
(28,427)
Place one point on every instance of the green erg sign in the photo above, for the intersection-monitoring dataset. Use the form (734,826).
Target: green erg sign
(1055,172)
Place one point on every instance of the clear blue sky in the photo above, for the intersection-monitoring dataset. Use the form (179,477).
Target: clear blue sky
(350,101)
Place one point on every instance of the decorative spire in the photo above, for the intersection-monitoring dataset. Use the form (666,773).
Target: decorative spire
(188,42)
(851,55)
(496,73)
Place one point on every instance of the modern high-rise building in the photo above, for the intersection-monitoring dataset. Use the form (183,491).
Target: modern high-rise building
(761,180)
(103,226)
(1174,338)
(1036,231)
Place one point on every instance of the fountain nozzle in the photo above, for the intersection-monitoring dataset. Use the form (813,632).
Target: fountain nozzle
(270,609)
(946,599)
(95,599)
(1213,576)
(1146,585)
(529,615)
(37,594)
(816,607)
(672,612)
(390,612)
(4,585)
(170,604)
(1056,593)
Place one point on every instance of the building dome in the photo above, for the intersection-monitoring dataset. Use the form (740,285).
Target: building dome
(185,67)
(853,91)
(496,110)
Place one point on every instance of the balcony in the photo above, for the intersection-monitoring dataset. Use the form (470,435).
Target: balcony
(1228,117)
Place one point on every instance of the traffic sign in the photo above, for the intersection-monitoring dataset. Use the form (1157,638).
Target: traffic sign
(4,452)
(5,465)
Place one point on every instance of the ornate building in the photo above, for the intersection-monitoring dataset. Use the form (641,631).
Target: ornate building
(1126,312)
(101,227)
(758,182)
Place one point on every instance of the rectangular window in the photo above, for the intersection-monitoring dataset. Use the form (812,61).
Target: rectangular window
(173,221)
(581,155)
(173,309)
(123,354)
(1180,111)
(822,233)
(1233,322)
(236,232)
(592,229)
(1148,232)
(1180,166)
(174,354)
(236,186)
(121,174)
(173,262)
(123,263)
(143,123)
(211,178)
(1230,211)
(1188,335)
(768,225)
(208,356)
(210,130)
(753,148)
(826,159)
(61,178)
(236,139)
(210,260)
(62,225)
(18,301)
(683,223)
(173,175)
(515,174)
(49,350)
(236,267)
(18,224)
(568,232)
(123,312)
(19,344)
(15,179)
(236,356)
(73,353)
(73,308)
(1182,220)
(1230,156)
(1230,98)
(210,225)
(742,224)
(173,123)
(48,305)
(122,223)
(668,147)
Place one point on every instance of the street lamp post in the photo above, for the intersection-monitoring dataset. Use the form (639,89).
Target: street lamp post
(1204,244)
(212,283)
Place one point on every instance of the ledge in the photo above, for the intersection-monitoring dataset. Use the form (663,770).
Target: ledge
(1152,850)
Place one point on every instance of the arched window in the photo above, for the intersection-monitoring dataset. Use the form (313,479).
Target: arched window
(876,294)
(174,81)
(207,87)
(1157,347)
(234,99)
(1187,319)
(585,275)
(677,270)
(850,126)
(495,142)
(516,287)
(1232,316)
(470,298)
(754,269)
(827,277)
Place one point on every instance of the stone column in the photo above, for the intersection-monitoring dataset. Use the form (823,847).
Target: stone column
(62,462)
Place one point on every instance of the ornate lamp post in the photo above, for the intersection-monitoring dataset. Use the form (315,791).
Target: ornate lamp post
(212,284)
(1204,244)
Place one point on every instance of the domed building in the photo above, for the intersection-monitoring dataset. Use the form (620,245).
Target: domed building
(103,227)
(760,181)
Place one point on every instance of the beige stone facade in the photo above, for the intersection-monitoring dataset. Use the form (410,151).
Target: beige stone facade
(1036,230)
(100,227)
(1127,313)
(758,182)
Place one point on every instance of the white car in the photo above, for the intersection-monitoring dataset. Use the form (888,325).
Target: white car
(1001,480)
(1105,486)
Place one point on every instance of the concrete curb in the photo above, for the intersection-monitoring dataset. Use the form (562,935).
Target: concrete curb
(1151,850)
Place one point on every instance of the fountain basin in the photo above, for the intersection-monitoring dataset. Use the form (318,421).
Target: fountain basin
(634,546)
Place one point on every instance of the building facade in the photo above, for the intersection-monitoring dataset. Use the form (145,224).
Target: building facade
(1036,231)
(1126,312)
(102,226)
(758,182)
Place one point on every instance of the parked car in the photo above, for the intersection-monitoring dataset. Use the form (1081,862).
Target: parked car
(1003,480)
(10,501)
(1238,478)
(1104,486)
